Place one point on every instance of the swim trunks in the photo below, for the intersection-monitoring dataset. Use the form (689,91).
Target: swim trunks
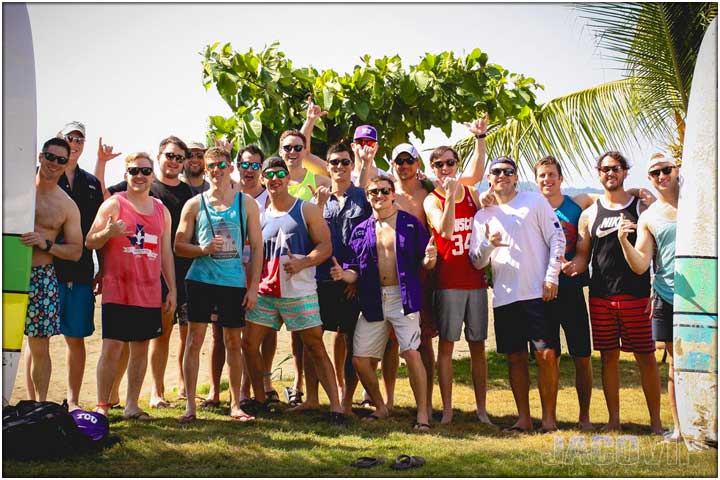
(43,312)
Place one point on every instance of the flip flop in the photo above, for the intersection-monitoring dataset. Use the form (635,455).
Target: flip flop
(403,462)
(367,462)
(421,427)
(365,403)
(547,430)
(372,418)
(184,419)
(515,429)
(207,403)
(242,417)
(140,416)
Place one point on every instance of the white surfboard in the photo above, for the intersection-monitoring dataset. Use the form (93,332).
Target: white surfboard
(695,302)
(19,160)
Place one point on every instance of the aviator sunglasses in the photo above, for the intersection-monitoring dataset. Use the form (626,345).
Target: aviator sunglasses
(508,172)
(290,148)
(247,165)
(275,173)
(449,163)
(664,171)
(146,171)
(365,141)
(402,161)
(614,168)
(336,161)
(73,139)
(377,191)
(51,157)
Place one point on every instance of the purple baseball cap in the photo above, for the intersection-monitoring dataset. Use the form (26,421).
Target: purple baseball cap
(94,425)
(365,131)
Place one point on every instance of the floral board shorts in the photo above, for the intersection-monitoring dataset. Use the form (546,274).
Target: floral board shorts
(43,312)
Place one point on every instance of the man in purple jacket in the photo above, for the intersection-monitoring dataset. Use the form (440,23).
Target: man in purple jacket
(389,248)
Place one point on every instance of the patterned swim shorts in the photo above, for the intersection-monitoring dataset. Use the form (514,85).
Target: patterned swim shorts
(43,313)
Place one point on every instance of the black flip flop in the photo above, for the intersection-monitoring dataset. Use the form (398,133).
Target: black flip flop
(403,462)
(367,462)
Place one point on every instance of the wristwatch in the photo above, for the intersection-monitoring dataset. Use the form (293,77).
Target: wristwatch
(481,135)
(48,245)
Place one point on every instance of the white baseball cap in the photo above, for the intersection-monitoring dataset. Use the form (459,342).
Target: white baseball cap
(73,126)
(405,148)
(659,160)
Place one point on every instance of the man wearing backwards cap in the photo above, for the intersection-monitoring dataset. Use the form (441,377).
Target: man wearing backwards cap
(656,233)
(524,240)
(194,168)
(619,296)
(296,239)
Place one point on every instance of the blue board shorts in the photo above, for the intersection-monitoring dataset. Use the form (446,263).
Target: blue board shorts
(77,309)
(42,319)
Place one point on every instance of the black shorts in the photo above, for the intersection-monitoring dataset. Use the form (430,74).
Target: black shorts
(569,310)
(336,311)
(203,297)
(662,320)
(129,323)
(521,322)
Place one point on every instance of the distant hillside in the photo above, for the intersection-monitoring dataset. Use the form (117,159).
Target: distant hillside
(531,187)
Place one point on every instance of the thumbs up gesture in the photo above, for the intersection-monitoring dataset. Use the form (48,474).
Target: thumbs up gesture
(116,229)
(294,264)
(431,250)
(336,271)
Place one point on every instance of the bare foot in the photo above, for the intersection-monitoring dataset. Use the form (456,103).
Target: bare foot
(520,427)
(240,415)
(304,406)
(378,414)
(585,426)
(159,403)
(73,406)
(548,428)
(611,427)
(181,394)
(672,436)
(447,418)
(483,418)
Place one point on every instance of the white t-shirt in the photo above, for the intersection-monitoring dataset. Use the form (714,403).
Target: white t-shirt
(536,244)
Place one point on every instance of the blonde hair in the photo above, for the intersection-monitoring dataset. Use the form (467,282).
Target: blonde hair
(134,157)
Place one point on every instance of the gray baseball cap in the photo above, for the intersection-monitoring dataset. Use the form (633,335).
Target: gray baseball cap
(73,126)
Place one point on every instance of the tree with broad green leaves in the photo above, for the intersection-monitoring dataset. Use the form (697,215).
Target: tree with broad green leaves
(656,45)
(268,95)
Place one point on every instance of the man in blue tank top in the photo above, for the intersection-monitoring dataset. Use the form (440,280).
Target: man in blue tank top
(220,219)
(656,242)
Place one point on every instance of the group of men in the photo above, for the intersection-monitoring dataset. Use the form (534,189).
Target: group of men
(387,261)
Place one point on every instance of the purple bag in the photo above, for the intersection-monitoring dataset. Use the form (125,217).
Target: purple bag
(94,425)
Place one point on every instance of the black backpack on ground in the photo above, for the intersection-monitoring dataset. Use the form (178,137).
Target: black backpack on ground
(42,431)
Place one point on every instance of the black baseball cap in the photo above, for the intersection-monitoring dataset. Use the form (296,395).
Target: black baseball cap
(274,162)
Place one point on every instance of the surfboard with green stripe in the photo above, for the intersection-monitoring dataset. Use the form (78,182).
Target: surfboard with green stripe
(19,160)
(695,303)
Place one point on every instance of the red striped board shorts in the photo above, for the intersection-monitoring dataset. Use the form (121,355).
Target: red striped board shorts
(621,322)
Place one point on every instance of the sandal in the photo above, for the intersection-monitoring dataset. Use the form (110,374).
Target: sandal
(242,417)
(272,396)
(367,462)
(292,396)
(208,403)
(185,419)
(421,427)
(403,462)
(140,415)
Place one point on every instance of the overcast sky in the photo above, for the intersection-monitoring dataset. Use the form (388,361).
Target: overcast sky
(132,72)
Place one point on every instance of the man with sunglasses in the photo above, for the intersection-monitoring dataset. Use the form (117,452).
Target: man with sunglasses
(390,248)
(133,230)
(296,239)
(523,241)
(619,296)
(344,208)
(656,243)
(173,193)
(460,290)
(55,212)
(221,220)
(77,302)
(194,168)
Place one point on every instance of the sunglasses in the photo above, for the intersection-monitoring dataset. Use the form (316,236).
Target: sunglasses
(335,162)
(146,171)
(403,161)
(365,141)
(221,165)
(614,168)
(174,156)
(449,163)
(290,148)
(196,155)
(72,139)
(509,172)
(247,165)
(275,173)
(377,191)
(665,171)
(51,157)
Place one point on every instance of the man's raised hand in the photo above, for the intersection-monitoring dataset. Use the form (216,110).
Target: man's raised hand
(314,112)
(478,127)
(105,152)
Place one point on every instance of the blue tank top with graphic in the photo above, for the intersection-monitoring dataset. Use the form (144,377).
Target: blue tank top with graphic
(224,267)
(569,215)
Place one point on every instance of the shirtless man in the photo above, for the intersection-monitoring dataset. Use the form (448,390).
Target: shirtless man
(656,243)
(390,293)
(55,212)
(618,295)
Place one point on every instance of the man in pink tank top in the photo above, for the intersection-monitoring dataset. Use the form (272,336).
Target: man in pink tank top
(133,231)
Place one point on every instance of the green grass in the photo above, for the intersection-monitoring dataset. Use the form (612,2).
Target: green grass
(305,445)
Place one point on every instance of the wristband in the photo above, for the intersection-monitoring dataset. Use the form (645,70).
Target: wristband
(481,135)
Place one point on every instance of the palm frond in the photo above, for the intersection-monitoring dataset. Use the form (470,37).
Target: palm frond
(573,128)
